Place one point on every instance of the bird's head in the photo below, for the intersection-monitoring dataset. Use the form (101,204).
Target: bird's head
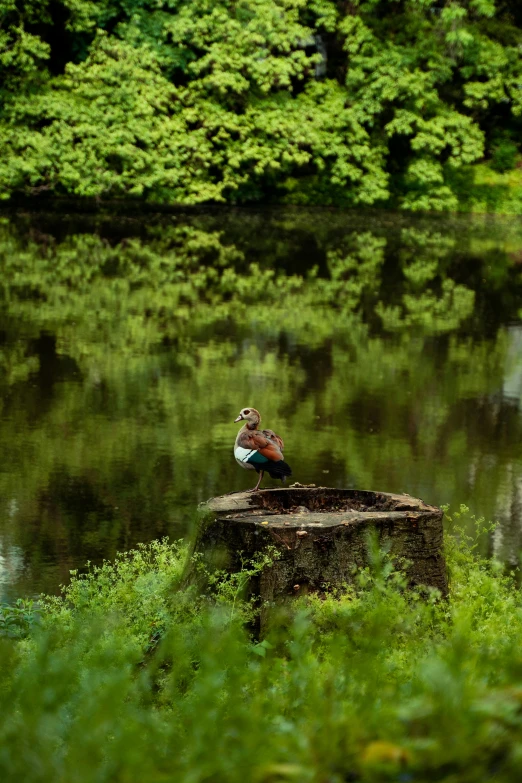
(250,415)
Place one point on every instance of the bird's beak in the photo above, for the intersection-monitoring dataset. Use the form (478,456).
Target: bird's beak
(239,418)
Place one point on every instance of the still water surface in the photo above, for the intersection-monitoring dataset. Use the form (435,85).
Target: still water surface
(386,350)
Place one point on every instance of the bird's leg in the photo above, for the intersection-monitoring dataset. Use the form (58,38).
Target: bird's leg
(258,483)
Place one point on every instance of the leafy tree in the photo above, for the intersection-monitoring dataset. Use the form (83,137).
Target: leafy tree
(294,100)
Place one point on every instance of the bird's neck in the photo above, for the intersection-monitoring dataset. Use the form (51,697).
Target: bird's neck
(252,425)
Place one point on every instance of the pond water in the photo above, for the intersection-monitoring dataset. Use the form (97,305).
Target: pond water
(386,350)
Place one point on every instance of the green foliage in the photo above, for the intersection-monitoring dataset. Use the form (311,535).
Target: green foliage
(372,684)
(504,156)
(137,586)
(305,101)
(232,589)
(18,619)
(23,55)
(488,190)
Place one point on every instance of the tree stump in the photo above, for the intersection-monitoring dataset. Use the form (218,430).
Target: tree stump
(321,535)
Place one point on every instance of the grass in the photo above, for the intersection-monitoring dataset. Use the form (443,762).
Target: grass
(130,677)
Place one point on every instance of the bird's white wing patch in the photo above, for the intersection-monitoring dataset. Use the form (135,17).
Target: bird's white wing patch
(242,455)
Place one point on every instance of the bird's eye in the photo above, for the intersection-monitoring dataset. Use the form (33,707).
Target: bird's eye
(246,412)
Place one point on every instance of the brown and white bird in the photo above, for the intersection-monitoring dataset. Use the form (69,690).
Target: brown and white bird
(260,450)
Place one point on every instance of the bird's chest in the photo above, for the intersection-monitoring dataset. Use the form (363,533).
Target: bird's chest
(242,456)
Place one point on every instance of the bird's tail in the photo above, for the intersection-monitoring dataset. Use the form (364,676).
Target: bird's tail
(279,470)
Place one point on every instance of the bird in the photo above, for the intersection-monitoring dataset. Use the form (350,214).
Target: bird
(260,450)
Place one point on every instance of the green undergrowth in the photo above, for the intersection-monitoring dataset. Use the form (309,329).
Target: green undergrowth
(131,676)
(483,189)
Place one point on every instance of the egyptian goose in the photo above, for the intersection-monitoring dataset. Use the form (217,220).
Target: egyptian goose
(260,450)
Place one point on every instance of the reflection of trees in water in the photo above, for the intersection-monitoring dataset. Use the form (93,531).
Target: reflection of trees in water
(143,347)
(512,388)
(133,294)
(11,557)
(507,538)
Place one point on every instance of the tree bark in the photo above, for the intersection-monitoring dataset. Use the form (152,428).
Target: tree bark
(321,535)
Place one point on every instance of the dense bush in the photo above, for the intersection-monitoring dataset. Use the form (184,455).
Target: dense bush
(308,101)
(128,677)
(504,156)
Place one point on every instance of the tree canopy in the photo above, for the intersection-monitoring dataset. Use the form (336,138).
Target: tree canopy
(306,101)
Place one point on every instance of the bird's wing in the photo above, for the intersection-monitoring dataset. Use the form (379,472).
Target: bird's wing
(270,434)
(258,441)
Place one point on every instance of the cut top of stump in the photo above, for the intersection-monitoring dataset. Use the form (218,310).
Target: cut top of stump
(316,507)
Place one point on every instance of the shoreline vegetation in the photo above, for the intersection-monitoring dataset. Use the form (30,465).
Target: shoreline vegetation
(130,676)
(414,106)
(487,193)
